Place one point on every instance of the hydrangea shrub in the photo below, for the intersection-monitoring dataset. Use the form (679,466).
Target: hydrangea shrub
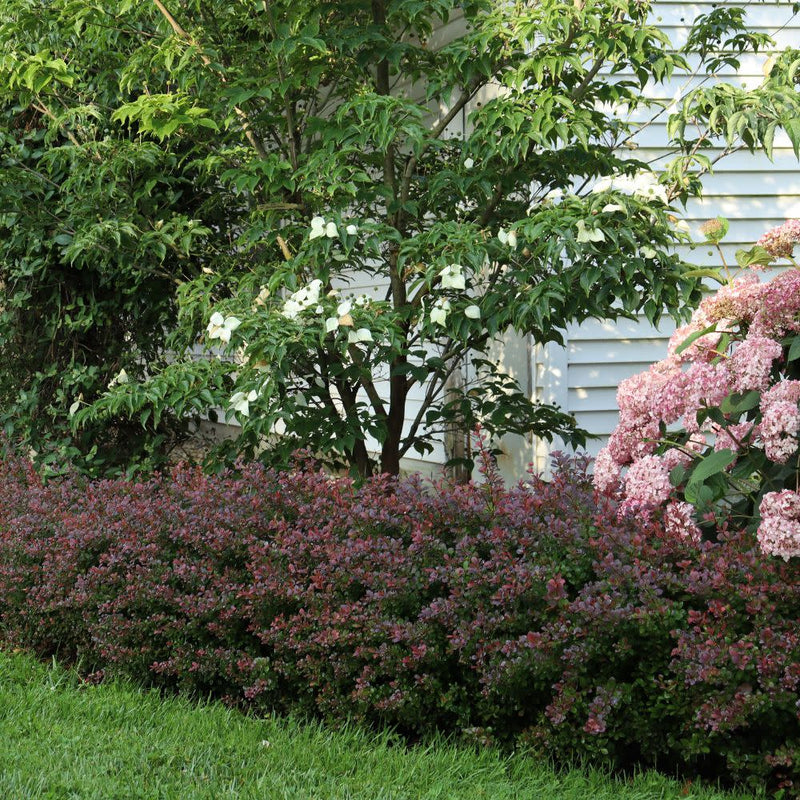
(532,614)
(709,435)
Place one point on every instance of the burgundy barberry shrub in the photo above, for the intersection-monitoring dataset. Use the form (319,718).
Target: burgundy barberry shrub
(535,614)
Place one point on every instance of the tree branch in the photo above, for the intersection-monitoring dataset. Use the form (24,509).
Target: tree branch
(181,33)
(408,173)
(369,386)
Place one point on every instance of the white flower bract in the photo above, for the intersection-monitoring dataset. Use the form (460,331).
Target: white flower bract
(643,184)
(507,237)
(317,228)
(361,335)
(588,234)
(439,312)
(220,327)
(302,299)
(452,277)
(240,402)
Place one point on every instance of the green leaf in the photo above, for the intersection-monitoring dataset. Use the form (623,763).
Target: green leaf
(756,255)
(711,465)
(705,272)
(677,474)
(693,337)
(737,403)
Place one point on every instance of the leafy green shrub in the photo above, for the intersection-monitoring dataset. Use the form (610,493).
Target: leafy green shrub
(167,167)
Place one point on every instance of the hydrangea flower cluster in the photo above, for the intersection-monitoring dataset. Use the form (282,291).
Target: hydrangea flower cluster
(779,531)
(780,241)
(711,433)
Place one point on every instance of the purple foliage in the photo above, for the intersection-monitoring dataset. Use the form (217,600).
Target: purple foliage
(533,614)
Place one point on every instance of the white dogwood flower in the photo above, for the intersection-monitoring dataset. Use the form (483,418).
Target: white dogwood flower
(683,226)
(241,402)
(220,327)
(507,237)
(361,335)
(120,378)
(452,277)
(302,299)
(472,312)
(439,312)
(317,228)
(554,196)
(588,234)
(643,184)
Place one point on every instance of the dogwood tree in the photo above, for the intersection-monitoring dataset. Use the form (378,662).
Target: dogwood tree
(289,176)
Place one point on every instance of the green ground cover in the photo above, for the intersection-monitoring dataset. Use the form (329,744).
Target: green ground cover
(60,738)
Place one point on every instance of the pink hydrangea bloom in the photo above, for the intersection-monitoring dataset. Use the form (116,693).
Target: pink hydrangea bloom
(780,420)
(703,348)
(647,484)
(779,530)
(679,520)
(638,398)
(635,394)
(783,391)
(778,310)
(751,362)
(733,436)
(779,242)
(674,456)
(780,424)
(606,472)
(738,300)
(629,441)
(706,385)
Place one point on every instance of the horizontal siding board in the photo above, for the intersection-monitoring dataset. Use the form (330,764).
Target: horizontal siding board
(601,423)
(600,351)
(622,329)
(768,16)
(608,375)
(598,399)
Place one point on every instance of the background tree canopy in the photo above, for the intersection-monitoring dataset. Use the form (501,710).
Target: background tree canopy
(196,174)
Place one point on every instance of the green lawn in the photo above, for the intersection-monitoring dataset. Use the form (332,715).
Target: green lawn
(61,739)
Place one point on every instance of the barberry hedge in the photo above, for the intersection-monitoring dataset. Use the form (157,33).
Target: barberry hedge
(534,615)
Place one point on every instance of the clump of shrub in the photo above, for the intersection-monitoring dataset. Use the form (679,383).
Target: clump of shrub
(711,434)
(534,615)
